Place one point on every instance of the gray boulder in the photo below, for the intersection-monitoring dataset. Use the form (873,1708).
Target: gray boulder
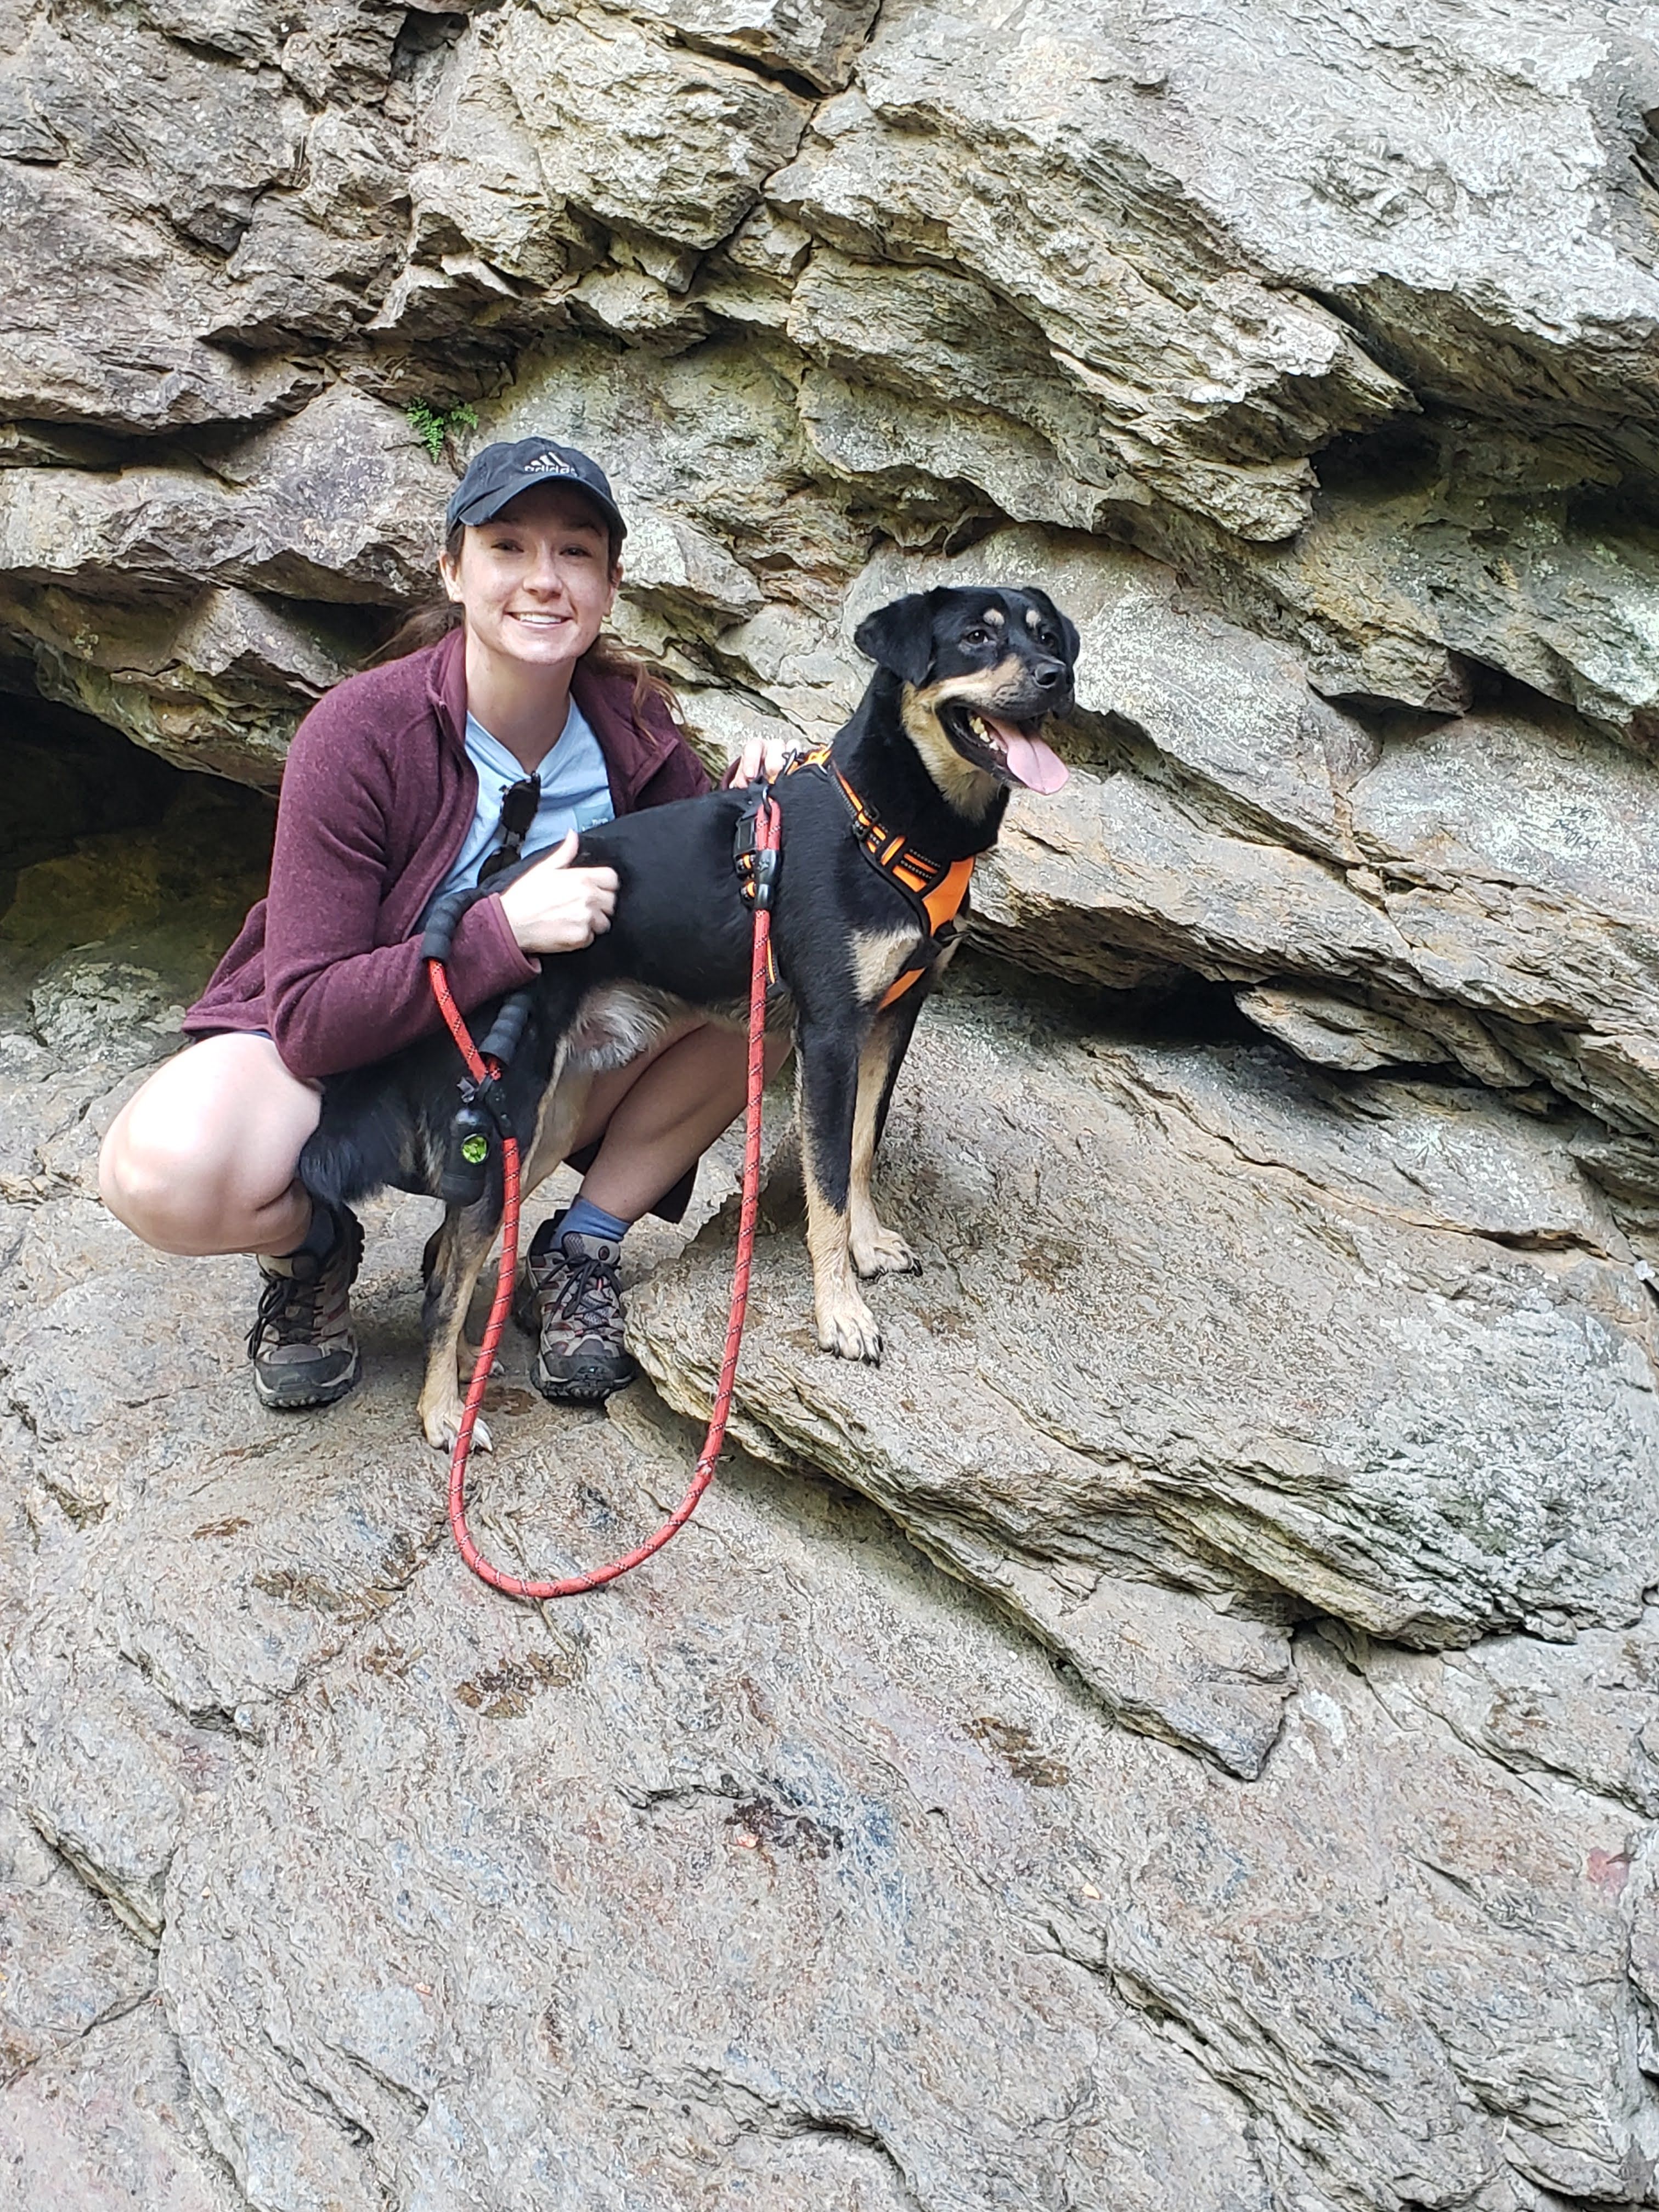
(1182,1733)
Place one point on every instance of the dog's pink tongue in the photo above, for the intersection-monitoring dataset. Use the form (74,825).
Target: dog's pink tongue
(1031,762)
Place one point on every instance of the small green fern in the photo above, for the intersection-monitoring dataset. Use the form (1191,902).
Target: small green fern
(435,426)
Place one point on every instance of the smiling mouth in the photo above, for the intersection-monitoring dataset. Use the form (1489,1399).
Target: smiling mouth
(1011,751)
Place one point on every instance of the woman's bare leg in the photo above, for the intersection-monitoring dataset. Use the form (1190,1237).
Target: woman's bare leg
(202,1158)
(658,1115)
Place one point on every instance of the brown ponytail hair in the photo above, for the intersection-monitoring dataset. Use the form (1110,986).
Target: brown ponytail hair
(435,617)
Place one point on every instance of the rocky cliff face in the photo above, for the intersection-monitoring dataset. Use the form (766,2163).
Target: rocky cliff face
(1184,1732)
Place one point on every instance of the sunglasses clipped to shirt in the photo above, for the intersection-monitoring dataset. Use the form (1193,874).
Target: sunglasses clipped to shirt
(519,803)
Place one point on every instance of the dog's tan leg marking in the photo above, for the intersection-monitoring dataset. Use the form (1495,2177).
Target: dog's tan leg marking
(878,957)
(846,1325)
(874,1248)
(463,1248)
(564,1103)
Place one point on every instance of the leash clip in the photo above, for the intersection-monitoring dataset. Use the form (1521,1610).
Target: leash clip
(762,879)
(492,1098)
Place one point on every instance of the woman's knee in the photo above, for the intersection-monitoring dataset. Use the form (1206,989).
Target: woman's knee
(171,1193)
(202,1158)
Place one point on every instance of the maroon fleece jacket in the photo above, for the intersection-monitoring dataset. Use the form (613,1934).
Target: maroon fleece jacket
(377,795)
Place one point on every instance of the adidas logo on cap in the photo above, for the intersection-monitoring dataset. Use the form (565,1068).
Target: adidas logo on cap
(494,476)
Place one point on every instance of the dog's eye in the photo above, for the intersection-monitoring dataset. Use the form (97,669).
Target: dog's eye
(975,636)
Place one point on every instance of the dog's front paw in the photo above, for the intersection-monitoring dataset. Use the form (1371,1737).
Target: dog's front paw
(443,1424)
(849,1329)
(884,1252)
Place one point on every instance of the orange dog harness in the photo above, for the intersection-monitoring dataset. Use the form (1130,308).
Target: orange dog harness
(939,889)
(936,891)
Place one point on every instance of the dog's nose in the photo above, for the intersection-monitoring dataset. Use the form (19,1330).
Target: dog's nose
(1050,674)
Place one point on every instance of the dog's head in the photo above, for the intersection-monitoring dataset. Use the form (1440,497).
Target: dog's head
(982,670)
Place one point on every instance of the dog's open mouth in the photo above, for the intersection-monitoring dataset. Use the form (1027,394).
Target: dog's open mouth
(1013,751)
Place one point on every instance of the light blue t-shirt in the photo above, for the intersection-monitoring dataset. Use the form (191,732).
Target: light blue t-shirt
(576,794)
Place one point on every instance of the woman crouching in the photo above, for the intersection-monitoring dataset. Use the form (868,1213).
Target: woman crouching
(502,720)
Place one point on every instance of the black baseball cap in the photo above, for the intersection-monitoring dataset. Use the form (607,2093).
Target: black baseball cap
(502,471)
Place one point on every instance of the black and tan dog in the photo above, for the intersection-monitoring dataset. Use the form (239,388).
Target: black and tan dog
(879,837)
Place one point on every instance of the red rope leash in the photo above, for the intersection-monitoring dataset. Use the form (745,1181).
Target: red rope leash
(768,833)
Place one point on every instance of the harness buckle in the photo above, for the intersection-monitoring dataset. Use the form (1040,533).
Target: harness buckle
(492,1098)
(758,865)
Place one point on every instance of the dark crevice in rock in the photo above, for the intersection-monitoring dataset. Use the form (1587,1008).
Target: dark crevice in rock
(424,32)
(762,1809)
(754,65)
(229,52)
(1496,690)
(836,2128)
(44,444)
(212,1720)
(1189,1010)
(14,2065)
(119,2012)
(148,1927)
(411,2100)
(1401,455)
(304,2085)
(116,869)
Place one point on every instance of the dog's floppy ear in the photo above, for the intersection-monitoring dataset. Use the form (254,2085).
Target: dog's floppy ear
(1067,628)
(900,637)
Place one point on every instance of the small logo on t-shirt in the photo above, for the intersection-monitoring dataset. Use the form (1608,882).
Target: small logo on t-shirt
(549,464)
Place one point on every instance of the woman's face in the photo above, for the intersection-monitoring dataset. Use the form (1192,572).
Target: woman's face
(536,583)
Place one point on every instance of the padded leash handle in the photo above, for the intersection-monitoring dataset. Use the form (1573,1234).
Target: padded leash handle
(481,1115)
(507,1029)
(756,851)
(438,937)
(768,837)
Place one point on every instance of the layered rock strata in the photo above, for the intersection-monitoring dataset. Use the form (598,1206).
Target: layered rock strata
(1213,1761)
(792,1869)
(1353,437)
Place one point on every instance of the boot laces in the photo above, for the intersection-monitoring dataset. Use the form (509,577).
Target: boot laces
(287,1310)
(588,1296)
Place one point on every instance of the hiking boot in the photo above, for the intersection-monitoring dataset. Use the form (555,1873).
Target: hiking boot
(301,1344)
(570,1299)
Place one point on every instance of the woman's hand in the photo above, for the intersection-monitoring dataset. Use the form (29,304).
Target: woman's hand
(554,907)
(763,757)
